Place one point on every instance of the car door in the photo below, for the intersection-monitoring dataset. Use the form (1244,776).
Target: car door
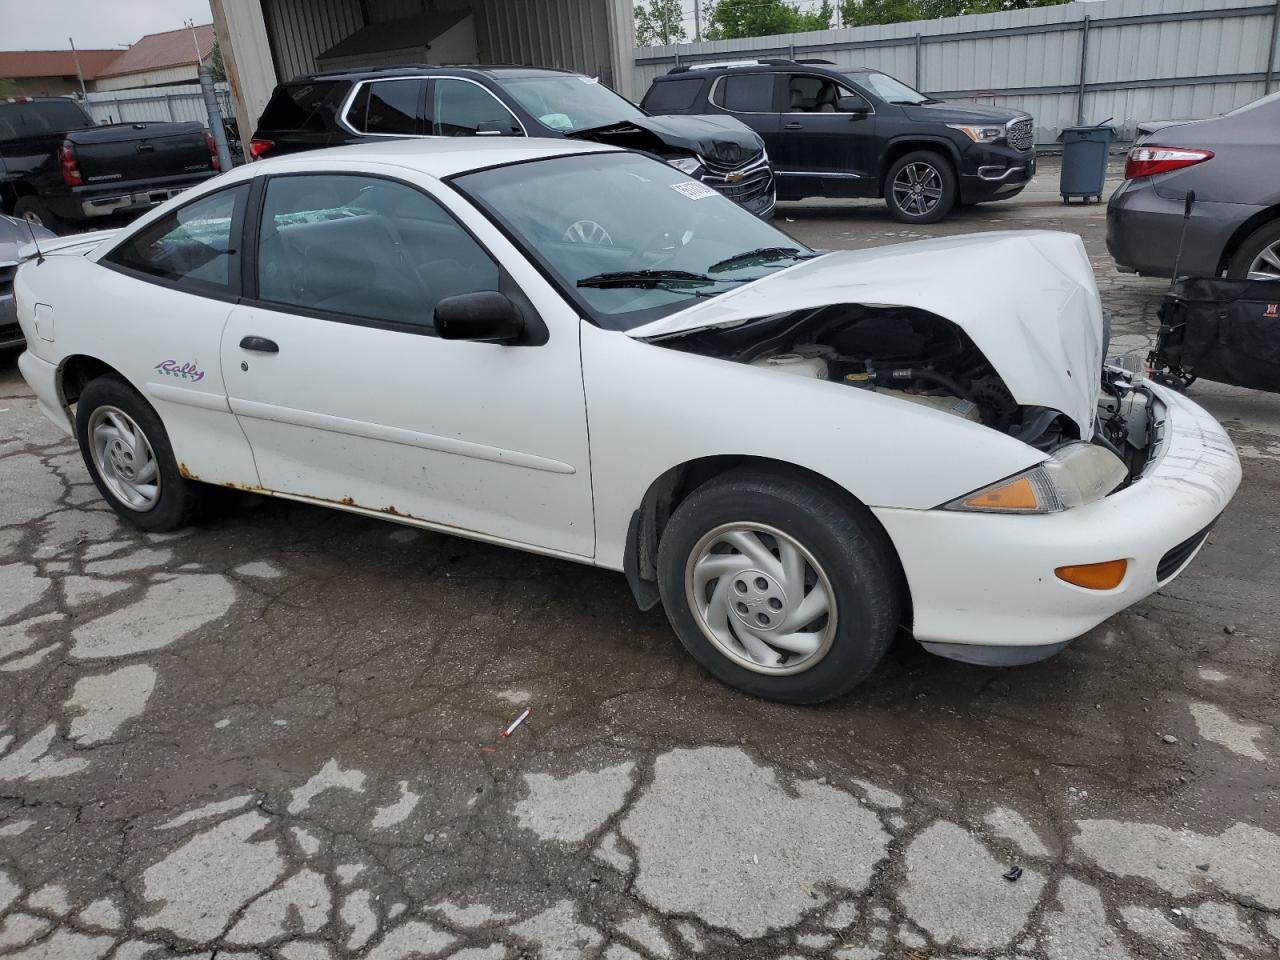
(348,396)
(174,283)
(824,144)
(752,98)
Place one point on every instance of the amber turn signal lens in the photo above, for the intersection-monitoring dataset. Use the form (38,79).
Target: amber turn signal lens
(1014,495)
(1095,576)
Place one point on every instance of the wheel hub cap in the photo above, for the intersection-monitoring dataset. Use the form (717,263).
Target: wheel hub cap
(761,598)
(124,459)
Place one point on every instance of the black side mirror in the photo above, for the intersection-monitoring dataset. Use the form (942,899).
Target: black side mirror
(852,105)
(487,317)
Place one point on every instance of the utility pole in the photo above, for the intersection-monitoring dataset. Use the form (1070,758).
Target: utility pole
(697,21)
(195,41)
(75,55)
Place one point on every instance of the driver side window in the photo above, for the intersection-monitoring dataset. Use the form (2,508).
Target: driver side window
(460,108)
(366,248)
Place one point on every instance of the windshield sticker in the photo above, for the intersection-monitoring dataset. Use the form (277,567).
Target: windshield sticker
(693,189)
(183,371)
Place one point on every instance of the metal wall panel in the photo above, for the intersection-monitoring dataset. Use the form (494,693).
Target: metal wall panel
(572,34)
(181,102)
(301,29)
(1143,59)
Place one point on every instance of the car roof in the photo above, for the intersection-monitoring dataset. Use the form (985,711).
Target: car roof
(426,70)
(435,156)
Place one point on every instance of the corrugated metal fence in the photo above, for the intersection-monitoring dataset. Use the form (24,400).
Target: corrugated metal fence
(1129,60)
(182,102)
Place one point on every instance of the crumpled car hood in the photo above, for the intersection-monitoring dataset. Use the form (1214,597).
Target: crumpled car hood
(1027,299)
(725,139)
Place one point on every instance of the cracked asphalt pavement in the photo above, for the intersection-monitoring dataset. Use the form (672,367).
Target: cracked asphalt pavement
(277,736)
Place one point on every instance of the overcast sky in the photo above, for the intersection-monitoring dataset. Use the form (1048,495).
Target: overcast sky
(46,24)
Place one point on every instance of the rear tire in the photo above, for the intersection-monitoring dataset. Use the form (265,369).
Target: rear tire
(778,586)
(127,451)
(33,210)
(921,187)
(1259,254)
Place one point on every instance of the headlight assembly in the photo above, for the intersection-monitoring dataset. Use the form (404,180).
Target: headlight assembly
(1077,474)
(980,133)
(689,165)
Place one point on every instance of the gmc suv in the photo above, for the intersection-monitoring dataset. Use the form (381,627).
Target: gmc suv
(331,109)
(860,133)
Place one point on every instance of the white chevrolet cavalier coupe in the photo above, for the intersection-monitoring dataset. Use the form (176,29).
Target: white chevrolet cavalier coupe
(579,351)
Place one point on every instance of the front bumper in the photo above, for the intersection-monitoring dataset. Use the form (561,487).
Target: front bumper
(983,586)
(1143,229)
(994,172)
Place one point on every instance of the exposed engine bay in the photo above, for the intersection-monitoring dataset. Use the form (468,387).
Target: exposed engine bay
(920,357)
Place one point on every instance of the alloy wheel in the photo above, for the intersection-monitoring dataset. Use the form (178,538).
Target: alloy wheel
(761,598)
(124,459)
(917,188)
(587,231)
(1266,265)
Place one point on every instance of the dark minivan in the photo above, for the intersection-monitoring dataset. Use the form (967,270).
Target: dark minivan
(833,132)
(331,109)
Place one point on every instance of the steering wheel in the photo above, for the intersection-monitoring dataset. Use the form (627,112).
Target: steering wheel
(587,231)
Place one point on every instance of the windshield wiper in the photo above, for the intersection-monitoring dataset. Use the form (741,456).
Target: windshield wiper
(760,255)
(657,278)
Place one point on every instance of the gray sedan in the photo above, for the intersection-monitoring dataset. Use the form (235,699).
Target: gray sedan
(1230,163)
(14,234)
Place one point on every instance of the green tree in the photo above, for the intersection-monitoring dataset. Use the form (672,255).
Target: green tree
(8,88)
(216,65)
(659,22)
(862,13)
(865,13)
(732,19)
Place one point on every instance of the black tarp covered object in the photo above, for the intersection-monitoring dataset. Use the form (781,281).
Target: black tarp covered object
(1227,331)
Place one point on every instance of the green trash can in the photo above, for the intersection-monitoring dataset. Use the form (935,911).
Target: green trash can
(1084,161)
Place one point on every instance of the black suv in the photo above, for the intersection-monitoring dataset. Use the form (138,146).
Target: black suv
(860,133)
(331,109)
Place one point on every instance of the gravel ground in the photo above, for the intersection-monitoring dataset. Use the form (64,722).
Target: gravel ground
(275,736)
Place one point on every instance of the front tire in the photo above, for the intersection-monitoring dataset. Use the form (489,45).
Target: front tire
(779,587)
(127,451)
(1259,256)
(921,187)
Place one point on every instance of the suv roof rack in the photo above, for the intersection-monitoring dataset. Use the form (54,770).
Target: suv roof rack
(828,63)
(730,64)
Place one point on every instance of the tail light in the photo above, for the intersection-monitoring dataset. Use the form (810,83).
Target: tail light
(1147,161)
(214,162)
(258,147)
(67,162)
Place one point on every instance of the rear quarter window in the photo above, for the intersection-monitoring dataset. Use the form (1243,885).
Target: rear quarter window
(669,96)
(301,106)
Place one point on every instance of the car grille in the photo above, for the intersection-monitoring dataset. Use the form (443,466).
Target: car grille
(7,273)
(1022,135)
(741,183)
(1172,561)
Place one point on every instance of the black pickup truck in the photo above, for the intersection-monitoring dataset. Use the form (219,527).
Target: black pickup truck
(60,170)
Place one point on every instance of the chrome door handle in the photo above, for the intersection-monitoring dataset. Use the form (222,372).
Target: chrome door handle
(793,125)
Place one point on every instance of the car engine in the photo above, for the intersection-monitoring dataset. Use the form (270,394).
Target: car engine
(903,352)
